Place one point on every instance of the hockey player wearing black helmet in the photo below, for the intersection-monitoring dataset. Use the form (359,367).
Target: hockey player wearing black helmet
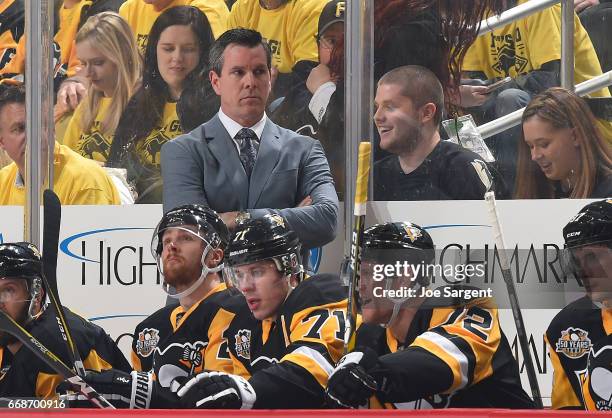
(430,352)
(584,325)
(289,333)
(179,341)
(22,297)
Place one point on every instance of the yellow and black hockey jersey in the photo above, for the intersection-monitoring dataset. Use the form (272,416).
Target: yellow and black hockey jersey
(570,336)
(597,387)
(452,357)
(290,359)
(177,344)
(25,375)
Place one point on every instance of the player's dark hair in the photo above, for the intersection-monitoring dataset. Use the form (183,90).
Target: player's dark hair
(145,110)
(12,94)
(418,84)
(240,36)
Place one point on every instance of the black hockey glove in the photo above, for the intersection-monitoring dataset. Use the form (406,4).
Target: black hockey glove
(217,390)
(350,385)
(123,390)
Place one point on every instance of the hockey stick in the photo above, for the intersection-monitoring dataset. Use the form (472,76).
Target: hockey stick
(514,302)
(8,325)
(361,198)
(51,229)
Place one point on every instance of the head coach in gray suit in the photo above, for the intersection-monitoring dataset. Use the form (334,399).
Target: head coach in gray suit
(243,165)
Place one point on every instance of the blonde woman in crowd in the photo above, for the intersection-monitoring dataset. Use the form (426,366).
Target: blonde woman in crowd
(563,153)
(109,56)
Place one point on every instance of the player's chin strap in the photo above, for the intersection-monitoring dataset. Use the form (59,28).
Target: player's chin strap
(399,302)
(205,271)
(35,292)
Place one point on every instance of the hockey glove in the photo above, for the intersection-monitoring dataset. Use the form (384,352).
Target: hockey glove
(350,385)
(123,390)
(217,390)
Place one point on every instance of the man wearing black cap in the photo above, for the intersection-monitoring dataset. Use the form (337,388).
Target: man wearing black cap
(579,326)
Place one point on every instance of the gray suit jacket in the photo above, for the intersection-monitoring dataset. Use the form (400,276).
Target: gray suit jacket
(203,166)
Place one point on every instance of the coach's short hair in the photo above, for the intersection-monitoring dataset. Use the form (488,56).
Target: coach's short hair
(239,36)
(419,84)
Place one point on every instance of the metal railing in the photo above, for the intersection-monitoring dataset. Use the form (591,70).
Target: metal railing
(567,30)
(512,119)
(39,111)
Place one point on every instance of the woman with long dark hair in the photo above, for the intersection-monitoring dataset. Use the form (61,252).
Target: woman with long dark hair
(175,67)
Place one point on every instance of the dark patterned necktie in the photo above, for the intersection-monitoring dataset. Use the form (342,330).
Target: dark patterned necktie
(247,139)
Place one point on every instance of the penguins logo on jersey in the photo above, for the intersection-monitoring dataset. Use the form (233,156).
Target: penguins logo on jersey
(148,339)
(243,343)
(193,356)
(574,343)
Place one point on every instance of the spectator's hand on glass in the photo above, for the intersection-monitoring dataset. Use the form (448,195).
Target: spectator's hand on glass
(70,95)
(318,76)
(580,5)
(471,96)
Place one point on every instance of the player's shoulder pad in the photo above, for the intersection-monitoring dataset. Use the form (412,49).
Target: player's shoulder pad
(579,313)
(321,289)
(231,300)
(84,333)
(158,319)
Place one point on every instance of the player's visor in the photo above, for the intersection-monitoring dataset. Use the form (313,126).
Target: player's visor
(591,261)
(243,275)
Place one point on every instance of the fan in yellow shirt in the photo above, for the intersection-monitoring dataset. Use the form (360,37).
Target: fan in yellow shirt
(141,14)
(107,50)
(529,51)
(77,180)
(65,63)
(11,28)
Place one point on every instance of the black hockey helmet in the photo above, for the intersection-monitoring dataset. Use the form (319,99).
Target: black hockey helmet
(398,235)
(209,226)
(20,259)
(592,225)
(265,238)
(388,242)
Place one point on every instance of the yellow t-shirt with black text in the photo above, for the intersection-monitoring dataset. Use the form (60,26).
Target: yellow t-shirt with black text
(526,44)
(77,181)
(290,29)
(94,144)
(141,16)
(149,148)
